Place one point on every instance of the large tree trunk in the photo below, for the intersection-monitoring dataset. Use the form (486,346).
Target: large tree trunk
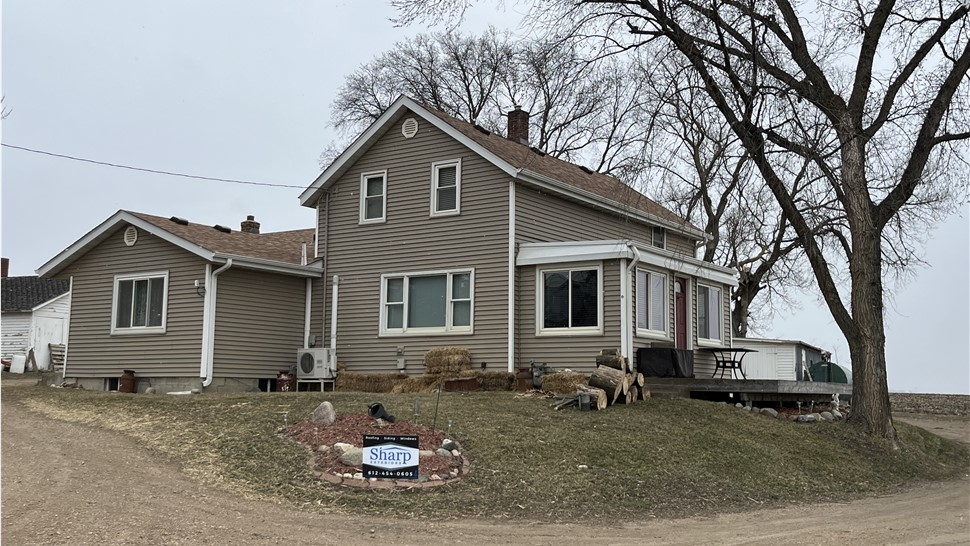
(867,344)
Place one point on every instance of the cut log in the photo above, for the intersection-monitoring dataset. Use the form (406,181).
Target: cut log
(597,397)
(612,360)
(645,393)
(639,379)
(610,380)
(630,381)
(626,398)
(634,393)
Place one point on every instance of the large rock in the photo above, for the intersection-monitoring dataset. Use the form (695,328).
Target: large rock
(353,457)
(837,414)
(324,414)
(769,412)
(806,418)
(827,416)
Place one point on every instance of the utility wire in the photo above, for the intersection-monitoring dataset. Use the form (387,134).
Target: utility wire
(169,173)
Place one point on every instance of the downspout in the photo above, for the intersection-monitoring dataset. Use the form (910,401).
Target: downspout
(511,280)
(333,325)
(67,340)
(627,275)
(210,293)
(307,313)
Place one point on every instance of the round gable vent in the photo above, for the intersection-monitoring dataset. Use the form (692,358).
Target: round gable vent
(410,128)
(131,235)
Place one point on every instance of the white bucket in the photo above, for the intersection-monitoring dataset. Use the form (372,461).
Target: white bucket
(18,363)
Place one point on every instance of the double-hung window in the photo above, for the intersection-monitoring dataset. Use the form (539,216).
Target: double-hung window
(569,301)
(140,303)
(651,303)
(428,302)
(708,313)
(373,197)
(659,237)
(446,188)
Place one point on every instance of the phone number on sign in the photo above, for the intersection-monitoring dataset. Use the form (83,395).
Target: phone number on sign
(392,474)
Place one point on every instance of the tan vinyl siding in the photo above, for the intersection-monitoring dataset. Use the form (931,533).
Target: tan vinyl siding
(94,352)
(413,241)
(259,323)
(574,352)
(543,217)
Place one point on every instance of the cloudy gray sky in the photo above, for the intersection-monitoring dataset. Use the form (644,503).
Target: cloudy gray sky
(241,90)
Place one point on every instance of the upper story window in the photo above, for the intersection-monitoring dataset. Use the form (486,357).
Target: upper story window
(709,312)
(569,301)
(446,188)
(659,237)
(427,302)
(373,197)
(651,303)
(140,303)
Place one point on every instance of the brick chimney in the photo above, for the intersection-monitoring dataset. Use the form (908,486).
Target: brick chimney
(250,225)
(5,262)
(519,125)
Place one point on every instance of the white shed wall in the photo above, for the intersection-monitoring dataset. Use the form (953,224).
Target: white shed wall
(14,333)
(772,361)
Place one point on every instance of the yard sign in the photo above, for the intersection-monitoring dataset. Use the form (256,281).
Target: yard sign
(391,457)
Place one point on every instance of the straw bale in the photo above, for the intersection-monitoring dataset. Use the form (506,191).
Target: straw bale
(447,361)
(563,382)
(425,383)
(367,382)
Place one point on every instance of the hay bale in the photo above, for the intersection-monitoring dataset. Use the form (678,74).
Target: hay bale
(367,382)
(563,382)
(425,383)
(491,381)
(447,361)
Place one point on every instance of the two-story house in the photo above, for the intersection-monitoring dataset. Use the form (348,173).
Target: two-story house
(436,232)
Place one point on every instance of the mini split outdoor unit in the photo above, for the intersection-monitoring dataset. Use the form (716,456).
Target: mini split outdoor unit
(315,364)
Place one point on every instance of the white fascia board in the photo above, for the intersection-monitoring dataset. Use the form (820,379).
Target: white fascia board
(104,230)
(549,253)
(565,252)
(742,341)
(689,266)
(595,200)
(378,129)
(246,262)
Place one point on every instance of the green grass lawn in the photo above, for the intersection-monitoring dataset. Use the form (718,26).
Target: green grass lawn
(660,457)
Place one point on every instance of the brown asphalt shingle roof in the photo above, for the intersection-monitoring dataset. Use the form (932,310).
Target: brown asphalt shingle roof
(523,157)
(280,246)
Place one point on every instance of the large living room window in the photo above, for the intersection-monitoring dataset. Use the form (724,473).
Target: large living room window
(569,301)
(432,302)
(708,314)
(140,303)
(651,303)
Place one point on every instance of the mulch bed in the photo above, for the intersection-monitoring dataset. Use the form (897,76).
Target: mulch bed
(350,429)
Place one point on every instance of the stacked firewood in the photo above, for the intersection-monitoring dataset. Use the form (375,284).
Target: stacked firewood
(613,382)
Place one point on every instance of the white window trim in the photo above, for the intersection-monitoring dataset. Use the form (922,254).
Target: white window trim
(703,341)
(647,332)
(138,330)
(363,197)
(435,167)
(449,329)
(540,307)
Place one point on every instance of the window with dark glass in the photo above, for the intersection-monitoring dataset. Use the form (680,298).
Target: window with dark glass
(570,299)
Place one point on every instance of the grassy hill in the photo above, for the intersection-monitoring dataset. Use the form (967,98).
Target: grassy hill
(660,457)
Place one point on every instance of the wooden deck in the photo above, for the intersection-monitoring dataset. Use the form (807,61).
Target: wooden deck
(755,390)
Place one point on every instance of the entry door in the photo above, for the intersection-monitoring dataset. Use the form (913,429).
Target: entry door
(680,312)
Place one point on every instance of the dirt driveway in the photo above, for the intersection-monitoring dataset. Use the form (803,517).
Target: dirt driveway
(64,483)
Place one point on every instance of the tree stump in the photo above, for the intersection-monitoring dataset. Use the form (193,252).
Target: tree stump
(610,380)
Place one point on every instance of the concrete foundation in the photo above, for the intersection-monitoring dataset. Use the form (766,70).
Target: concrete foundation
(163,385)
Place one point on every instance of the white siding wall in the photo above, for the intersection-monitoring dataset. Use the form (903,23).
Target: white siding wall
(49,326)
(772,361)
(14,333)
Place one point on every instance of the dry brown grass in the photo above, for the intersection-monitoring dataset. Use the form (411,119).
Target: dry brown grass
(448,361)
(563,382)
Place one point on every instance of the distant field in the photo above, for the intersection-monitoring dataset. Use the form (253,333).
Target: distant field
(936,404)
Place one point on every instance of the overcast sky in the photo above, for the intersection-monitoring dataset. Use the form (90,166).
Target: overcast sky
(241,90)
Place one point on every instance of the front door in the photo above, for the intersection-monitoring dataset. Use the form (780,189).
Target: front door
(680,312)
